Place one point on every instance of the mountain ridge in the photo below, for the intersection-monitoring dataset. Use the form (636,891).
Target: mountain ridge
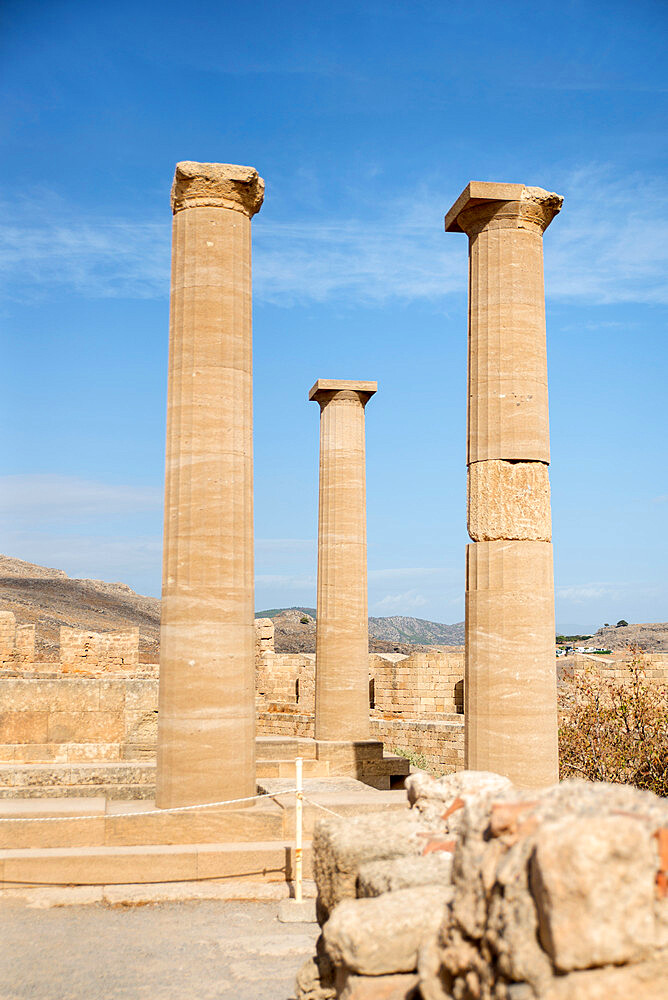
(393,628)
(49,599)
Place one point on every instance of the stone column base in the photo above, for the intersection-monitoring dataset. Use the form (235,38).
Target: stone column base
(364,760)
(348,753)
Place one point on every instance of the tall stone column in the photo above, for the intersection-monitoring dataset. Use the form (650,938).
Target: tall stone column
(206,721)
(342,635)
(510,680)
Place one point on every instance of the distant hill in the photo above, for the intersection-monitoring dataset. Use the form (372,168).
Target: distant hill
(398,628)
(272,612)
(385,634)
(652,637)
(49,598)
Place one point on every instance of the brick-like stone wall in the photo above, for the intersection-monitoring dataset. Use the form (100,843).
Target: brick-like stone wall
(17,642)
(436,744)
(285,682)
(418,686)
(92,652)
(7,635)
(415,701)
(617,668)
(74,719)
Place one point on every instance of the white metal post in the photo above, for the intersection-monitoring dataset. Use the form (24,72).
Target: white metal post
(298,830)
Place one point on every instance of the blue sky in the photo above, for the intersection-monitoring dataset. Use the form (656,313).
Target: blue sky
(366,120)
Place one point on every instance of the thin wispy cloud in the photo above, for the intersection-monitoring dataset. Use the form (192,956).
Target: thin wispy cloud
(409,600)
(267,546)
(610,242)
(609,245)
(44,497)
(580,593)
(46,246)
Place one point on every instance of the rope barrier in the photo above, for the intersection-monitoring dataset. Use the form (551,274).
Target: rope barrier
(148,812)
(324,808)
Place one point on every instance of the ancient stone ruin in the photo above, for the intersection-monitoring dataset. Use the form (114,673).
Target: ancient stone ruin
(490,883)
(484,891)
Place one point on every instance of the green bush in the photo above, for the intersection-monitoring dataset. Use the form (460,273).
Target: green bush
(416,759)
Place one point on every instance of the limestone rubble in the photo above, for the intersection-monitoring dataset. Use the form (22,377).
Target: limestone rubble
(555,894)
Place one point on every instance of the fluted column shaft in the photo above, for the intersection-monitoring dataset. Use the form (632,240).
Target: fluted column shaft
(510,677)
(206,721)
(342,634)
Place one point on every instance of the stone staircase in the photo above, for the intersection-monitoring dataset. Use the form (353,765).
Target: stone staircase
(97,841)
(135,779)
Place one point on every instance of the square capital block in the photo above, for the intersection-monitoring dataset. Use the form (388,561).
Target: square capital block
(524,203)
(325,389)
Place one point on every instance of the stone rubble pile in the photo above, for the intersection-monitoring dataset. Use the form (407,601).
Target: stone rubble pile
(483,891)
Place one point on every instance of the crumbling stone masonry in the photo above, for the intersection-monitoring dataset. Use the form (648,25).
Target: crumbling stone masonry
(487,892)
(83,651)
(17,642)
(511,710)
(415,703)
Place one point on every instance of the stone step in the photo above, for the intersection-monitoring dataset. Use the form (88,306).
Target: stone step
(91,778)
(283,748)
(118,792)
(266,861)
(116,780)
(96,822)
(286,769)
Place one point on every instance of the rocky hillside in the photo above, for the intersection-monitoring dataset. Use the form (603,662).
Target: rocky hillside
(294,631)
(49,598)
(652,637)
(416,630)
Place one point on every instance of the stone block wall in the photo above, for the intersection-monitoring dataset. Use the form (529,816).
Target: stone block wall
(418,686)
(276,723)
(285,682)
(264,636)
(654,666)
(435,744)
(486,890)
(17,642)
(75,719)
(82,651)
(415,702)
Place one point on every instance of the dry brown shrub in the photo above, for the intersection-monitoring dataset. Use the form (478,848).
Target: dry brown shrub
(614,729)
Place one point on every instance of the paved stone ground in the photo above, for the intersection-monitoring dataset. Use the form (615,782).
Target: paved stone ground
(163,951)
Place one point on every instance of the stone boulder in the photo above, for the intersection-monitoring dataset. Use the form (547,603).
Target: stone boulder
(381,935)
(487,892)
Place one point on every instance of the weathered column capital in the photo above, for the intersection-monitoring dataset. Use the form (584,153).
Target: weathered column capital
(218,185)
(327,389)
(490,205)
